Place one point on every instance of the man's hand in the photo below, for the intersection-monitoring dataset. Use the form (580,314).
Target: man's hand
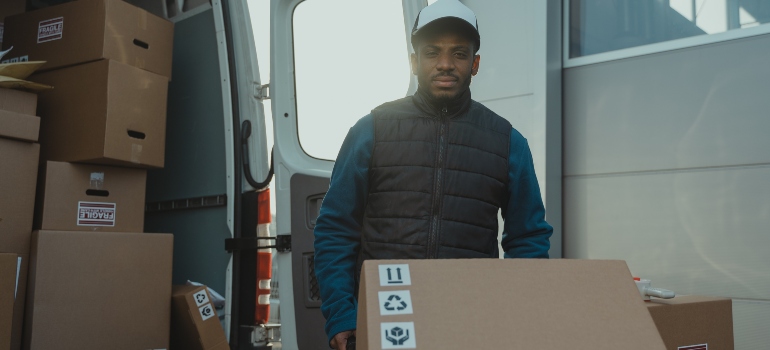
(340,340)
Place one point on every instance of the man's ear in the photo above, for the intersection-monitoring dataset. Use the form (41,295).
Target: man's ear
(413,60)
(475,68)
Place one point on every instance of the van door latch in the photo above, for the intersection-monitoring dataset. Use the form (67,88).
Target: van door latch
(262,92)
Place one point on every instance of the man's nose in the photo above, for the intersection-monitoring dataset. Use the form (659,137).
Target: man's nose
(445,63)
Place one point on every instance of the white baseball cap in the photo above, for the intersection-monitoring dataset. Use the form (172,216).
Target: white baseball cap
(447,9)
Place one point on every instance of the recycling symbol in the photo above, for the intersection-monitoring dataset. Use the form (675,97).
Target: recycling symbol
(200,298)
(394,303)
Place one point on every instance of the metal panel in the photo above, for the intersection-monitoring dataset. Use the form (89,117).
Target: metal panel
(695,231)
(698,107)
(305,192)
(507,46)
(195,165)
(752,324)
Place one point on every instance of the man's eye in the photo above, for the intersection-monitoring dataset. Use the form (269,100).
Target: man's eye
(460,55)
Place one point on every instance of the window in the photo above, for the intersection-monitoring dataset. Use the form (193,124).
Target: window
(350,56)
(598,26)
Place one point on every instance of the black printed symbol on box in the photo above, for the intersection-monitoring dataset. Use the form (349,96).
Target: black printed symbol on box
(398,278)
(201,297)
(397,336)
(206,311)
(397,303)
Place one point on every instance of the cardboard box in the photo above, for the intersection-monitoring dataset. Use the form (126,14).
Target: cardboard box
(194,321)
(694,322)
(89,30)
(103,112)
(13,283)
(502,304)
(18,173)
(18,101)
(9,8)
(81,197)
(9,278)
(19,126)
(91,290)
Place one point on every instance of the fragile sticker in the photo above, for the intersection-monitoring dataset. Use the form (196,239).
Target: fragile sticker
(396,302)
(201,297)
(398,335)
(50,30)
(96,214)
(694,347)
(206,311)
(395,275)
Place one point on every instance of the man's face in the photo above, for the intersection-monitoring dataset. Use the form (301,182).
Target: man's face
(444,64)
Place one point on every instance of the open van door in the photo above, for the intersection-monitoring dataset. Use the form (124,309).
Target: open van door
(311,76)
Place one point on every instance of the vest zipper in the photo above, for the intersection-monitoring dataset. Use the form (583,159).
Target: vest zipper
(433,235)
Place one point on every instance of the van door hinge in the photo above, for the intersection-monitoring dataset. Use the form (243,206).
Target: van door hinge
(262,92)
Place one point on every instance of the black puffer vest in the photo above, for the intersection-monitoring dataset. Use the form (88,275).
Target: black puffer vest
(436,181)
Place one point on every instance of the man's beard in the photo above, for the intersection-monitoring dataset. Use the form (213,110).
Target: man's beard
(445,98)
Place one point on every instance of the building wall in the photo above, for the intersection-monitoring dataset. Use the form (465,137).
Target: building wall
(666,166)
(519,40)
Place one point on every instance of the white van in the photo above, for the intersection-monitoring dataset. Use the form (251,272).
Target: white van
(646,120)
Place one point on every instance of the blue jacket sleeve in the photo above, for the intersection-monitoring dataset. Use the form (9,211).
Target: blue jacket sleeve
(338,228)
(526,234)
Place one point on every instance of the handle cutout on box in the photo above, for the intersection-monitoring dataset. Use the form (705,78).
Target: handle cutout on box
(141,44)
(136,134)
(98,193)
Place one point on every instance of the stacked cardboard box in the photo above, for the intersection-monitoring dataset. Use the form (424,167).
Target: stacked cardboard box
(694,322)
(95,280)
(18,170)
(196,325)
(9,8)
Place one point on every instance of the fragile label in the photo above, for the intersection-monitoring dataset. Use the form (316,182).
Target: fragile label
(398,335)
(397,302)
(395,275)
(694,347)
(96,214)
(50,30)
(206,311)
(201,297)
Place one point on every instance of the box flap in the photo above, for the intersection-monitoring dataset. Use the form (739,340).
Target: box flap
(19,126)
(502,304)
(18,101)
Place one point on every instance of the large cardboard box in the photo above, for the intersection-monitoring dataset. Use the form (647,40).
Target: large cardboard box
(9,8)
(19,126)
(91,290)
(694,322)
(89,30)
(10,264)
(194,321)
(18,171)
(18,101)
(81,197)
(103,112)
(502,304)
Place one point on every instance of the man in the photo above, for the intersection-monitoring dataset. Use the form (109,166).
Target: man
(423,177)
